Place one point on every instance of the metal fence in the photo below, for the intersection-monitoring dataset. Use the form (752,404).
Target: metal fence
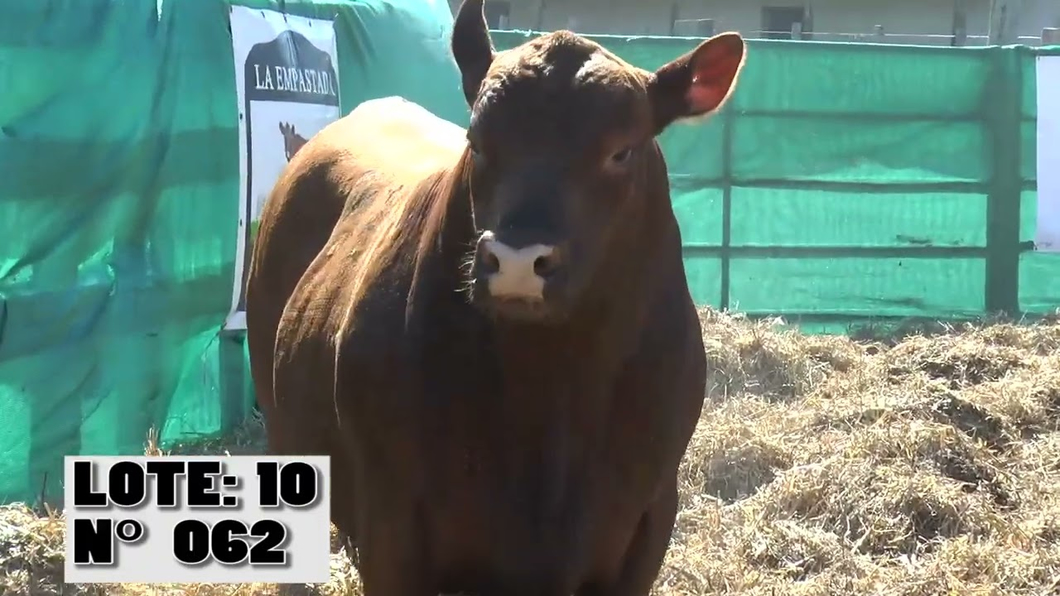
(856,181)
(877,34)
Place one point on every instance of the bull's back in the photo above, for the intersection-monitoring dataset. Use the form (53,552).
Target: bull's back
(347,165)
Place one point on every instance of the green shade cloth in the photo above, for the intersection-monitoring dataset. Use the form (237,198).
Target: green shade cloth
(845,181)
(842,181)
(119,182)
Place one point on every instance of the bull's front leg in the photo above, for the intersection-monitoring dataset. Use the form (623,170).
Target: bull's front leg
(645,555)
(392,557)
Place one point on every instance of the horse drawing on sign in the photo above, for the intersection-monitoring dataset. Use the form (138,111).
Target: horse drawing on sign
(292,141)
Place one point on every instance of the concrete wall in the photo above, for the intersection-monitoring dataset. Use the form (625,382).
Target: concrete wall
(653,17)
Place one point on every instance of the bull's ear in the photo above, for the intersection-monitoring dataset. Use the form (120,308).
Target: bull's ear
(698,83)
(472,47)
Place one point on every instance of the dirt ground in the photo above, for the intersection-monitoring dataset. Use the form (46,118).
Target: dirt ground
(923,465)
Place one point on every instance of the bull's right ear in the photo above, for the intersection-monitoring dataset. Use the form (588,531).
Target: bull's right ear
(472,47)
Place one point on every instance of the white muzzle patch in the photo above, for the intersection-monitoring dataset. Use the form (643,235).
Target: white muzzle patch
(515,276)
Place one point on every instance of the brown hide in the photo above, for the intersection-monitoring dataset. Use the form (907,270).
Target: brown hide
(302,210)
(472,451)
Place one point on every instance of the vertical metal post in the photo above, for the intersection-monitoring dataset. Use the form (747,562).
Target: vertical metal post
(960,23)
(1003,203)
(232,371)
(1004,21)
(728,118)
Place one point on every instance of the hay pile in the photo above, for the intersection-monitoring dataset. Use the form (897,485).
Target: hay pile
(821,465)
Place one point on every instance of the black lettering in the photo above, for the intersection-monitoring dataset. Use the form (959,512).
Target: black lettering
(272,534)
(298,484)
(201,491)
(93,541)
(268,485)
(84,496)
(191,541)
(225,545)
(165,473)
(127,486)
(129,530)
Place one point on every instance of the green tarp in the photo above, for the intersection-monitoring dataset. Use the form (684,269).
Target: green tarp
(842,181)
(846,181)
(119,191)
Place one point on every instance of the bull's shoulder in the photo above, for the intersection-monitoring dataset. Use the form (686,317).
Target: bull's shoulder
(336,294)
(314,309)
(658,393)
(392,136)
(672,329)
(397,117)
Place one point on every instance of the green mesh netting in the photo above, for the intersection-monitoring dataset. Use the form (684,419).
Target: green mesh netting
(842,181)
(845,181)
(119,191)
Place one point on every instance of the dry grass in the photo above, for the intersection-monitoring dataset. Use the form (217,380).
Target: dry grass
(821,465)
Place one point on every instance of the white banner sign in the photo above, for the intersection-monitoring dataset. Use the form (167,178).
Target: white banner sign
(1047,234)
(287,87)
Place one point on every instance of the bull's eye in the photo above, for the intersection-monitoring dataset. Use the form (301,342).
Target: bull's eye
(620,158)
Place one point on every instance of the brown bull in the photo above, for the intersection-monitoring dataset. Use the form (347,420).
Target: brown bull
(490,331)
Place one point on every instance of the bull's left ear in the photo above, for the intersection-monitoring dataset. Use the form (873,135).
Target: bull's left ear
(698,83)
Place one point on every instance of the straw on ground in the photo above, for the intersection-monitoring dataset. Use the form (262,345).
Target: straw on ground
(821,465)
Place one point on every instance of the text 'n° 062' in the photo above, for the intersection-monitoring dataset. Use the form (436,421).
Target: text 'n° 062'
(197,519)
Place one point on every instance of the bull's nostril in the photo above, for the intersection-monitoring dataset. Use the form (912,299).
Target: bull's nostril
(546,265)
(490,263)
